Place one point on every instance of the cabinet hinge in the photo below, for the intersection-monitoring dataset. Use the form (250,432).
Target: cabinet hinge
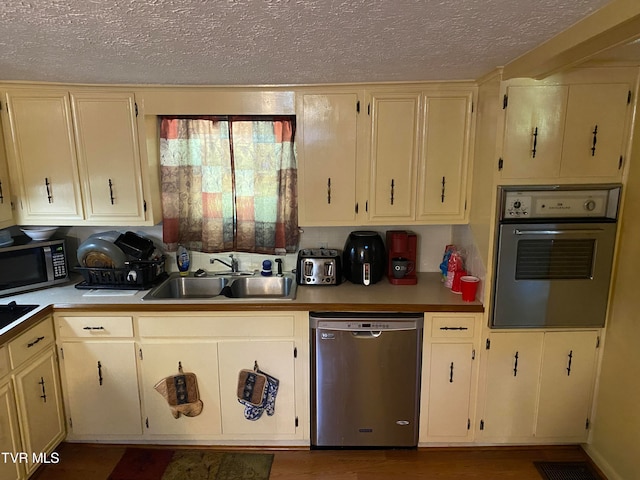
(369,109)
(70,423)
(505,101)
(629,97)
(144,205)
(61,353)
(473,354)
(146,422)
(598,341)
(488,344)
(465,204)
(140,353)
(481,424)
(0,105)
(500,163)
(296,422)
(358,106)
(468,424)
(587,424)
(135,104)
(356,208)
(620,163)
(472,107)
(295,352)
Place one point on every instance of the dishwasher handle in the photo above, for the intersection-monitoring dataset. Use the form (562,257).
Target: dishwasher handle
(367,333)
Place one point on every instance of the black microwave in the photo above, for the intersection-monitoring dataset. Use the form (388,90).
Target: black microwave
(29,265)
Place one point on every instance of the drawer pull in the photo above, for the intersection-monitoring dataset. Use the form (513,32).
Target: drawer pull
(515,365)
(569,365)
(100,373)
(44,392)
(37,340)
(93,328)
(454,328)
(451,373)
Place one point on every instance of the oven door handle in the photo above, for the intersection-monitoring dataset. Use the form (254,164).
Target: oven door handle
(556,232)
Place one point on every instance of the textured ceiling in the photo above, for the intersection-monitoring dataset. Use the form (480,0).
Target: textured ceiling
(258,42)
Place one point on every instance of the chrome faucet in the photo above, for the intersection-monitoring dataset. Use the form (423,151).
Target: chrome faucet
(233,265)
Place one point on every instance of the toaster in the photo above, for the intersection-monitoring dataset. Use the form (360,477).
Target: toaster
(319,266)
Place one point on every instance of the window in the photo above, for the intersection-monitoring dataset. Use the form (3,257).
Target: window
(229,184)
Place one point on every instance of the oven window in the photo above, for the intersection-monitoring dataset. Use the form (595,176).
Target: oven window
(555,259)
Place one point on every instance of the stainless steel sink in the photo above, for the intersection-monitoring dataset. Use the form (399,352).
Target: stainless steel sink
(187,287)
(261,287)
(225,288)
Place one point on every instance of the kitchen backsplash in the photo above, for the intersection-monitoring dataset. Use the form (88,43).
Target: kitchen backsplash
(432,240)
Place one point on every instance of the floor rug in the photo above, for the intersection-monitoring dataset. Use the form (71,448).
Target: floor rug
(566,471)
(168,464)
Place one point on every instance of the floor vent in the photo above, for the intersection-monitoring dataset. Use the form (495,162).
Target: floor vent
(567,471)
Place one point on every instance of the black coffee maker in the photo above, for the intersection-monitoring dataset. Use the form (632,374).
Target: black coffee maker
(364,260)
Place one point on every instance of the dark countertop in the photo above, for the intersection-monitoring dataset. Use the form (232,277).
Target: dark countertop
(429,295)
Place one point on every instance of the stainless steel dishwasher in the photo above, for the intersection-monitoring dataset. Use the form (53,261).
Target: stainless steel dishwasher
(365,371)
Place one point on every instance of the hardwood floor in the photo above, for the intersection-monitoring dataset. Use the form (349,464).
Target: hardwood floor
(95,462)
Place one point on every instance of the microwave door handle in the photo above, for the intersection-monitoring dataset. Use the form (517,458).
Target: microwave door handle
(556,232)
(48,261)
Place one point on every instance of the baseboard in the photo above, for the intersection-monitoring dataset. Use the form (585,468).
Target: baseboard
(601,463)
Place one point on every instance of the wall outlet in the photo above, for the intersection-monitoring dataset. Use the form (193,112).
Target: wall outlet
(323,245)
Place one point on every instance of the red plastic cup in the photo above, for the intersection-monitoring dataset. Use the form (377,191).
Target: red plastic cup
(469,287)
(456,285)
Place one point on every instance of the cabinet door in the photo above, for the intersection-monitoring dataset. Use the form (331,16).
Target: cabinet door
(6,214)
(101,388)
(40,407)
(43,153)
(443,166)
(449,390)
(276,359)
(534,129)
(394,156)
(328,158)
(160,360)
(513,368)
(595,130)
(9,434)
(108,155)
(566,384)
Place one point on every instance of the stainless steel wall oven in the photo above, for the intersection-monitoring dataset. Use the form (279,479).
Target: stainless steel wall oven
(554,255)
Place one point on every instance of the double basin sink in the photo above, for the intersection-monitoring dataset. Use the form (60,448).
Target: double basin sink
(229,287)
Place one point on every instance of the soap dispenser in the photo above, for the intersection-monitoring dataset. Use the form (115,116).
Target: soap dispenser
(266,269)
(182,259)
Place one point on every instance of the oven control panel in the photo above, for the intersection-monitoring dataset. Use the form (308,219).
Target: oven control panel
(535,204)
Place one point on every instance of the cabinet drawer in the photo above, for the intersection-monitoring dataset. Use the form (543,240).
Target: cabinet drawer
(4,362)
(95,327)
(31,342)
(449,326)
(230,325)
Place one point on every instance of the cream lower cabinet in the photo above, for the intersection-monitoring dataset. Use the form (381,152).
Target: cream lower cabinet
(35,377)
(165,359)
(275,358)
(99,375)
(449,376)
(216,347)
(539,386)
(10,468)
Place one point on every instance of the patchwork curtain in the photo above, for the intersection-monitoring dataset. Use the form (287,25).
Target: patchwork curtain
(229,184)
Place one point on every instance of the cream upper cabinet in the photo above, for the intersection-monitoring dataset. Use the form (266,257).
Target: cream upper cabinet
(74,157)
(41,150)
(395,121)
(565,132)
(108,156)
(6,212)
(595,130)
(328,151)
(442,174)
